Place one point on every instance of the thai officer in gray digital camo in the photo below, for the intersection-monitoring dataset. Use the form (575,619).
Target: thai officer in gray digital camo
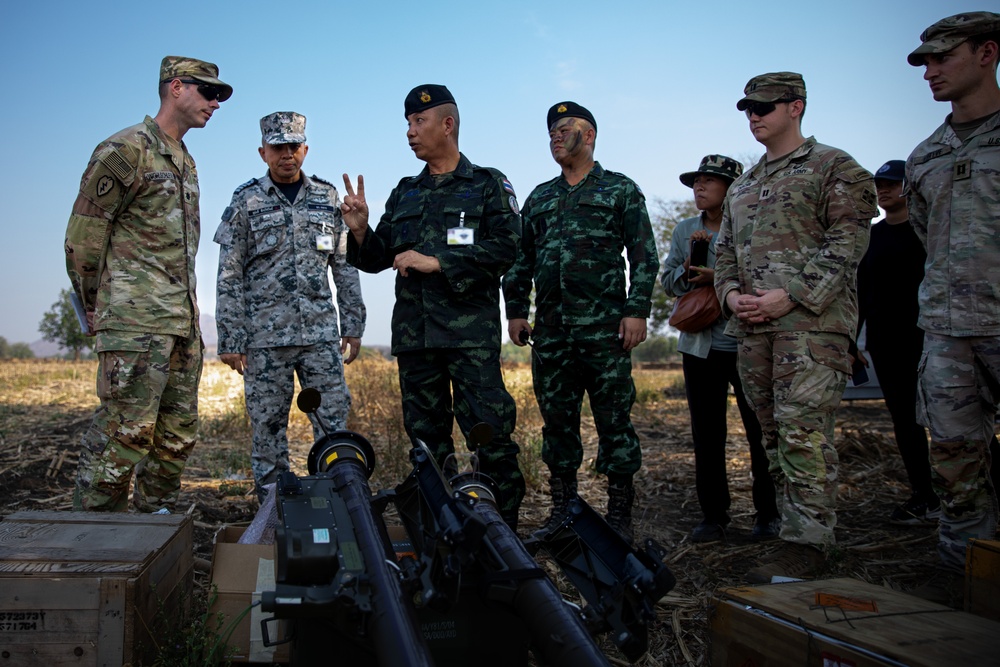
(953,196)
(278,241)
(130,250)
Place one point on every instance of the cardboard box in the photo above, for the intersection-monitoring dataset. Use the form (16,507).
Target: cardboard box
(982,579)
(85,588)
(240,572)
(844,622)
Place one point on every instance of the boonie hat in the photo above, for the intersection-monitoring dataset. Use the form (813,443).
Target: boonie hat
(283,127)
(569,110)
(180,67)
(893,170)
(714,165)
(948,33)
(426,97)
(773,87)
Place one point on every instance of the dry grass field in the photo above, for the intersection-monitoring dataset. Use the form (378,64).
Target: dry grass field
(45,406)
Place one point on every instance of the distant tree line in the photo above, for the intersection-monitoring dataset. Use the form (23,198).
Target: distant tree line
(15,350)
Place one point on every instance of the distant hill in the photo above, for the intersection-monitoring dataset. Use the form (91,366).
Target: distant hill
(209,334)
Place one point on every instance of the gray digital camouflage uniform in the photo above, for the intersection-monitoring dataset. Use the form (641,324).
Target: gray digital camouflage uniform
(130,251)
(446,325)
(275,305)
(571,251)
(953,194)
(799,223)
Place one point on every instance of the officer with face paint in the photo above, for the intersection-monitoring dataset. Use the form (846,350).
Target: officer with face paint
(275,312)
(586,321)
(450,232)
(130,250)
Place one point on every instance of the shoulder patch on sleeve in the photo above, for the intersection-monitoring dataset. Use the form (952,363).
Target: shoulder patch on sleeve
(507,186)
(854,174)
(228,214)
(246,185)
(122,162)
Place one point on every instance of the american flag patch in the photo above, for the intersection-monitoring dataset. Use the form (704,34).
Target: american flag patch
(507,186)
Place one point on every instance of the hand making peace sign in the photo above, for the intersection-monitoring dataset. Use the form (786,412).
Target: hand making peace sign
(355,208)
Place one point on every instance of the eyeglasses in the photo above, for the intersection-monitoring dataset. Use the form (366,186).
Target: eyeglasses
(761,109)
(207,90)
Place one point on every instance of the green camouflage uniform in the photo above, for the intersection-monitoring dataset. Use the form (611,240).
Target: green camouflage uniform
(954,204)
(130,250)
(571,249)
(799,223)
(275,305)
(446,326)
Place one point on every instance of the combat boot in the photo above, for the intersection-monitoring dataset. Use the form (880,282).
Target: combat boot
(792,560)
(563,490)
(621,497)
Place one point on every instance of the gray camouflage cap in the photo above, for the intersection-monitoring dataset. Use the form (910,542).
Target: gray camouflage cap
(179,67)
(714,165)
(948,33)
(773,87)
(283,127)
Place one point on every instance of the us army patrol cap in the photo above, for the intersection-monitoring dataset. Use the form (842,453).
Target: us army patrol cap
(773,87)
(426,97)
(948,33)
(569,110)
(283,127)
(179,67)
(714,165)
(893,170)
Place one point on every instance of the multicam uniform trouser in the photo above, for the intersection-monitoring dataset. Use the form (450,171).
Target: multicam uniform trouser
(429,378)
(794,381)
(147,421)
(270,383)
(566,362)
(957,396)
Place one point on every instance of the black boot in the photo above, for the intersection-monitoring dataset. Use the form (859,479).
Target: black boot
(563,490)
(621,497)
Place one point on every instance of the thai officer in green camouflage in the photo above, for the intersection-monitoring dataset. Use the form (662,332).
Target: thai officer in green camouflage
(953,195)
(130,250)
(275,310)
(450,232)
(794,228)
(586,321)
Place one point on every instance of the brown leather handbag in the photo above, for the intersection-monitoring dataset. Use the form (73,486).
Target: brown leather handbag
(696,310)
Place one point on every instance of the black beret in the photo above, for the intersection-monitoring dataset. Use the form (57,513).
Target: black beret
(569,110)
(425,97)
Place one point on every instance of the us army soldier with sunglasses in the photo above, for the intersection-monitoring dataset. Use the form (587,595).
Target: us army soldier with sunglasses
(794,228)
(130,250)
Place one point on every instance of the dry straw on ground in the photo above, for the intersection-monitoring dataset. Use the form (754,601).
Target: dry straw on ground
(45,406)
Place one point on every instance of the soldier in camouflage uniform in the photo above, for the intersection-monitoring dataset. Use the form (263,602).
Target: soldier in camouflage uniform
(586,322)
(275,310)
(953,181)
(450,232)
(794,228)
(130,251)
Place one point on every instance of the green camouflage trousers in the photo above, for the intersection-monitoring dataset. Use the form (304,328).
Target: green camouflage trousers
(147,421)
(566,362)
(794,382)
(270,383)
(957,396)
(428,381)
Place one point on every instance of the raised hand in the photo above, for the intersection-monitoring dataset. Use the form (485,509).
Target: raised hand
(355,208)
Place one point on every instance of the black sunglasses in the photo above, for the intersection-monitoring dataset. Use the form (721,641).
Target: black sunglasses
(207,90)
(761,109)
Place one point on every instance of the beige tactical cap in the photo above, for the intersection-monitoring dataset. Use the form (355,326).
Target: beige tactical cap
(773,87)
(179,67)
(283,127)
(948,33)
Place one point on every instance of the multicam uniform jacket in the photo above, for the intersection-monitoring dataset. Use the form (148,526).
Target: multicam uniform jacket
(571,247)
(133,234)
(801,224)
(953,193)
(459,307)
(273,289)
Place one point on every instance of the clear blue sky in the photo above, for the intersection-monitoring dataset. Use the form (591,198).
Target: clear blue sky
(662,79)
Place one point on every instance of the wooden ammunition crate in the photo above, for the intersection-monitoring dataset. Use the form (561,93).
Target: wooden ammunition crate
(844,623)
(84,588)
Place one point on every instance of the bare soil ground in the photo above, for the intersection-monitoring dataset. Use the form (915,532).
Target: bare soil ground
(44,408)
